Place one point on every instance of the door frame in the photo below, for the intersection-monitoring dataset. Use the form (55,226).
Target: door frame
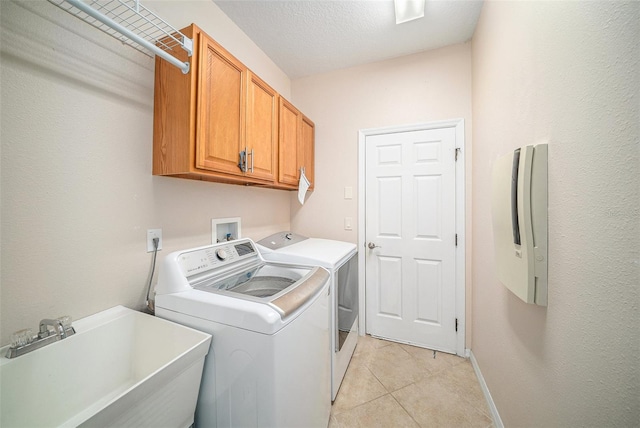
(460,259)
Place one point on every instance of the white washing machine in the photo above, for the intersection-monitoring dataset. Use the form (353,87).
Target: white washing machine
(341,260)
(269,364)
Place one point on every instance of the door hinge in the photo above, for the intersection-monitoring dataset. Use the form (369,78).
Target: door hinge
(456,324)
(457,153)
(456,239)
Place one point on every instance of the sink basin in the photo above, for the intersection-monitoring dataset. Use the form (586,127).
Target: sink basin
(122,368)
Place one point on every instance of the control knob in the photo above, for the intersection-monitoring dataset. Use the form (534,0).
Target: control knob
(221,254)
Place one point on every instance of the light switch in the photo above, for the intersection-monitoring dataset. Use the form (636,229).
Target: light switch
(347,223)
(348,192)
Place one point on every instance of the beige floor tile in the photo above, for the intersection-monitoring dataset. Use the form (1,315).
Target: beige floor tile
(425,358)
(461,379)
(394,367)
(425,392)
(333,423)
(383,412)
(368,348)
(368,343)
(358,386)
(432,403)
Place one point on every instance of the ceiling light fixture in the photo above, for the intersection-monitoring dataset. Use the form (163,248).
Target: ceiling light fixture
(408,10)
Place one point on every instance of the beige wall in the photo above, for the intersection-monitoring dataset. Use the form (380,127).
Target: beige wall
(77,190)
(426,87)
(181,13)
(565,73)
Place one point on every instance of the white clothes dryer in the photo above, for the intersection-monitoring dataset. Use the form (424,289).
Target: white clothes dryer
(269,364)
(341,260)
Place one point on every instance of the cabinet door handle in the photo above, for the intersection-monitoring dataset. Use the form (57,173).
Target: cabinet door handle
(251,154)
(243,161)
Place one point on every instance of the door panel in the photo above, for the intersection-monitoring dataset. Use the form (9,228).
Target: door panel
(289,136)
(390,286)
(428,272)
(390,206)
(262,128)
(428,216)
(307,149)
(389,155)
(410,216)
(220,120)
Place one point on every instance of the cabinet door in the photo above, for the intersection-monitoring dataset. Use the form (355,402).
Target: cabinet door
(288,143)
(262,128)
(306,153)
(221,109)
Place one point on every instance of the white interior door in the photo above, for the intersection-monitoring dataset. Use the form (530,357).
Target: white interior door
(411,219)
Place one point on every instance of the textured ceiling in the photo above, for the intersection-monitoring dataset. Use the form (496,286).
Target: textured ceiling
(310,37)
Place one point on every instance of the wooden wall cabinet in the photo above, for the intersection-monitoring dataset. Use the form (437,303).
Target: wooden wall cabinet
(221,122)
(296,146)
(205,120)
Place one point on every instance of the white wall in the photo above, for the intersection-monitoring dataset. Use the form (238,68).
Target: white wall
(426,87)
(76,183)
(566,73)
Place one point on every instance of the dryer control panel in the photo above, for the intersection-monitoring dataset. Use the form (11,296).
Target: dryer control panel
(281,240)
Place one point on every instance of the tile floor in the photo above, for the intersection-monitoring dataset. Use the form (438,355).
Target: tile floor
(393,385)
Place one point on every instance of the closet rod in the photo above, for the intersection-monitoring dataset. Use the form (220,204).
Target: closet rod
(184,66)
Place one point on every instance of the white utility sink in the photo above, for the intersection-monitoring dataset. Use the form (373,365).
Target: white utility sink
(122,368)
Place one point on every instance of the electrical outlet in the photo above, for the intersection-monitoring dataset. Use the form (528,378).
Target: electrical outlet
(347,223)
(154,233)
(348,192)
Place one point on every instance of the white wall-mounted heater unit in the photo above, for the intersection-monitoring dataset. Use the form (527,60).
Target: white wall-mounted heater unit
(519,208)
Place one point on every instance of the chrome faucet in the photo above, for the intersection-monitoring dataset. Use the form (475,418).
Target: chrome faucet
(57,326)
(24,341)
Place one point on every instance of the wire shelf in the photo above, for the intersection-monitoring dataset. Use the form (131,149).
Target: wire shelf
(131,23)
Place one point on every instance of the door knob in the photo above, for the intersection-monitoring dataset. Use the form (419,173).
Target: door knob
(371,246)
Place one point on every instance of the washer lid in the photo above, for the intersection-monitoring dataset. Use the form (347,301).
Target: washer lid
(313,251)
(284,288)
(260,281)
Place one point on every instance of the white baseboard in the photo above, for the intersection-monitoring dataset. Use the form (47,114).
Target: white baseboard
(497,422)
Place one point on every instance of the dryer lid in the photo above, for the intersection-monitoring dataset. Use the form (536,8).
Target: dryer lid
(281,240)
(327,253)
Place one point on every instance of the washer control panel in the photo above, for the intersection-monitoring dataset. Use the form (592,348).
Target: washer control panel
(222,254)
(216,256)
